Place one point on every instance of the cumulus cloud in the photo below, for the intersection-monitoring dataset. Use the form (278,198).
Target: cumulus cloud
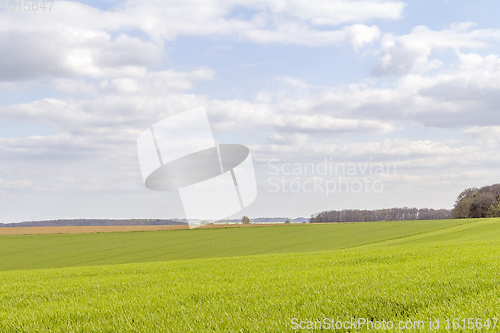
(324,124)
(289,32)
(61,146)
(410,53)
(159,82)
(4,185)
(486,136)
(285,146)
(466,95)
(272,18)
(107,71)
(71,52)
(74,39)
(78,86)
(335,12)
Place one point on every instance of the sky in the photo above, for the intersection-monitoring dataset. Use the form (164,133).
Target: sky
(343,104)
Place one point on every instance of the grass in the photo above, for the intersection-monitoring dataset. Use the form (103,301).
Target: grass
(257,293)
(418,272)
(51,251)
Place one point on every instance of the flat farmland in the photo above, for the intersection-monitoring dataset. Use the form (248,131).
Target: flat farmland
(253,279)
(84,229)
(95,229)
(62,250)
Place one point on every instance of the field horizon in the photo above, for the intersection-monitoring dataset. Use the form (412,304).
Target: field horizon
(253,279)
(63,250)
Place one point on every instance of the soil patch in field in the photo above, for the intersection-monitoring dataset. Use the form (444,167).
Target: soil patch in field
(93,229)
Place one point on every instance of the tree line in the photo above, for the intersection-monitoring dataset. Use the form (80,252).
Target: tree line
(94,222)
(478,202)
(390,214)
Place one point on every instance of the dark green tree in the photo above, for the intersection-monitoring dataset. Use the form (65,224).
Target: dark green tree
(477,202)
(462,208)
(494,211)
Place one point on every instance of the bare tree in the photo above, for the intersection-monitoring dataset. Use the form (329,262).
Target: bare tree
(390,214)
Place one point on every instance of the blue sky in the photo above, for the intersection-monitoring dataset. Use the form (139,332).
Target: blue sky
(410,83)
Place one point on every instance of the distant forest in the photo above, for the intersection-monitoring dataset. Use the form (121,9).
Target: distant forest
(478,202)
(114,222)
(471,203)
(390,214)
(271,220)
(93,222)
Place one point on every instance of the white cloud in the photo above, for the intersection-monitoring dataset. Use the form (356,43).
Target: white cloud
(462,96)
(284,146)
(274,18)
(72,86)
(15,184)
(109,58)
(238,115)
(289,32)
(337,12)
(410,53)
(323,124)
(35,54)
(486,136)
(359,35)
(61,146)
(76,40)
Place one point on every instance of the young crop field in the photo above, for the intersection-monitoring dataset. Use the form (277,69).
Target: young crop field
(63,250)
(254,279)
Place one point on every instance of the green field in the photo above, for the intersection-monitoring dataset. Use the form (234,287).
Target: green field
(63,250)
(252,279)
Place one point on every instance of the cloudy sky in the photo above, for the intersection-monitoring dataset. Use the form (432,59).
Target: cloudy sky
(415,84)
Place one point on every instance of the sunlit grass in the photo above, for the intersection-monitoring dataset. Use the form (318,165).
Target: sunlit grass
(426,271)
